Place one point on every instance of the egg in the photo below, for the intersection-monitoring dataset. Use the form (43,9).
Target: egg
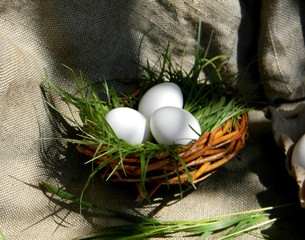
(173,125)
(298,153)
(129,125)
(161,95)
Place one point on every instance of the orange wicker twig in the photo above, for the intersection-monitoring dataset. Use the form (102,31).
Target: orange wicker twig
(203,157)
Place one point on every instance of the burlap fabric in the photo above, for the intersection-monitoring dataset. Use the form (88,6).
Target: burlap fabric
(102,38)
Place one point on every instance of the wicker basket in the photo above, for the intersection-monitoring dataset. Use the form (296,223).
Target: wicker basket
(203,157)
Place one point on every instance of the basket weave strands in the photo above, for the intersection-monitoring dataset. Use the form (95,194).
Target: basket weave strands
(202,158)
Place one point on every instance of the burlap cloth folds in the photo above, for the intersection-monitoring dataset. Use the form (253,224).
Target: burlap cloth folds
(102,38)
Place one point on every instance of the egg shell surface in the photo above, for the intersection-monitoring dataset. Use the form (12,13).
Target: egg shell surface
(129,125)
(161,95)
(172,125)
(298,153)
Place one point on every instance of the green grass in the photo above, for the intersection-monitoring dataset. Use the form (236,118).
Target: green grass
(230,225)
(2,236)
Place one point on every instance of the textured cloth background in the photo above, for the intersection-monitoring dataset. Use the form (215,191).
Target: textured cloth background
(102,38)
(282,51)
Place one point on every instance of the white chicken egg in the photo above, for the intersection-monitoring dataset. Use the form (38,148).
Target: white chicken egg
(298,153)
(129,125)
(172,125)
(161,95)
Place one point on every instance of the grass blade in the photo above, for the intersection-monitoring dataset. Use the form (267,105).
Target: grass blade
(143,227)
(2,235)
(68,196)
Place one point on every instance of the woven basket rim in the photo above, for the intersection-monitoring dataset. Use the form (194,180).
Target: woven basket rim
(203,157)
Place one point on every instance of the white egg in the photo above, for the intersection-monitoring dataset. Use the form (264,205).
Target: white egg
(161,95)
(129,125)
(172,125)
(298,153)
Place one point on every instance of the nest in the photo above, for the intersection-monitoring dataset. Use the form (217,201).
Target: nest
(219,108)
(202,158)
